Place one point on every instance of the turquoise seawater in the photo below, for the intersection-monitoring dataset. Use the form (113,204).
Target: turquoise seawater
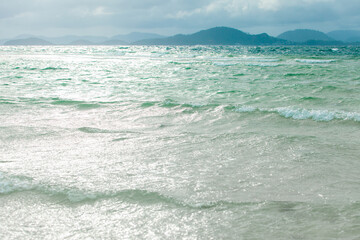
(179,142)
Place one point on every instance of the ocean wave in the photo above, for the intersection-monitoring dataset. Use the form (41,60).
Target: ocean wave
(10,184)
(298,74)
(6,101)
(260,64)
(54,68)
(88,106)
(296,113)
(119,139)
(29,68)
(225,64)
(317,115)
(170,103)
(10,133)
(314,61)
(311,98)
(96,130)
(259,59)
(66,102)
(149,104)
(302,114)
(80,105)
(245,109)
(180,63)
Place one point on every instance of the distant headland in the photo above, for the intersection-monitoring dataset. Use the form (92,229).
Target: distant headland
(212,36)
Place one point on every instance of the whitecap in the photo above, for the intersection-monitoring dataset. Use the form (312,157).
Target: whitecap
(225,63)
(314,61)
(264,59)
(317,115)
(259,64)
(321,115)
(246,109)
(9,184)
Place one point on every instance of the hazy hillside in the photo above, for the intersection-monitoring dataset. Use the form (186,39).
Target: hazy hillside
(215,36)
(70,39)
(136,36)
(212,36)
(114,42)
(28,41)
(81,42)
(345,35)
(2,41)
(304,35)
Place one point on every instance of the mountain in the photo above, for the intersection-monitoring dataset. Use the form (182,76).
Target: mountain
(345,35)
(81,42)
(215,36)
(212,36)
(304,35)
(24,36)
(136,36)
(70,39)
(28,41)
(113,42)
(2,41)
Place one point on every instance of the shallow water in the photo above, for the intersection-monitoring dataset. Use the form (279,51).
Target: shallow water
(179,142)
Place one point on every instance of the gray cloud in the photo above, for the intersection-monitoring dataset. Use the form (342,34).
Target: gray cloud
(99,17)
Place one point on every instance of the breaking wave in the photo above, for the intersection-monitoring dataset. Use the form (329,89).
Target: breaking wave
(314,61)
(80,105)
(321,115)
(54,68)
(10,184)
(302,114)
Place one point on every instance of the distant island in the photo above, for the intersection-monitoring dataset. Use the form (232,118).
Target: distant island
(125,39)
(347,36)
(212,36)
(28,41)
(216,36)
(304,35)
(308,37)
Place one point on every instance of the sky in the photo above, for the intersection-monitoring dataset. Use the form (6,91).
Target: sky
(168,17)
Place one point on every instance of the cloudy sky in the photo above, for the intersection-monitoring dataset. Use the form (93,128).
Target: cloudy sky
(168,17)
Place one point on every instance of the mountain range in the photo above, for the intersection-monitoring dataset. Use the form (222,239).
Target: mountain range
(125,39)
(212,36)
(215,36)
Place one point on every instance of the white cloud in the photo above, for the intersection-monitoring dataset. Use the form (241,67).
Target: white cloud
(101,11)
(86,12)
(174,15)
(270,5)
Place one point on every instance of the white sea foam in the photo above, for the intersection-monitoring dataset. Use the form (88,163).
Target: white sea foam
(317,115)
(261,64)
(260,59)
(264,59)
(225,63)
(314,61)
(12,184)
(246,109)
(302,114)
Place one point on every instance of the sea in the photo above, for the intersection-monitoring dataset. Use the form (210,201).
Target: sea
(180,142)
